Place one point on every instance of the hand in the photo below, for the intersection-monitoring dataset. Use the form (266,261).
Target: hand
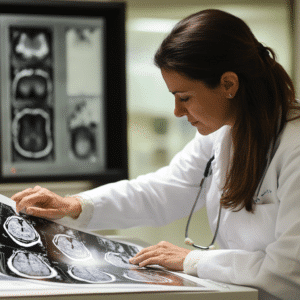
(40,202)
(164,254)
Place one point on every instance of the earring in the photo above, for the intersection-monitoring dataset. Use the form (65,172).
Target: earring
(230,96)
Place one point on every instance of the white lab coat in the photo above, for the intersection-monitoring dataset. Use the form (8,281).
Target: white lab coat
(260,249)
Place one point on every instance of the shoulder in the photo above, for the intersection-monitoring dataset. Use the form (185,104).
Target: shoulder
(202,147)
(290,136)
(288,145)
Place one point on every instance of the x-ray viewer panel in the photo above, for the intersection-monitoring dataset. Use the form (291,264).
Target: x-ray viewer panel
(53,75)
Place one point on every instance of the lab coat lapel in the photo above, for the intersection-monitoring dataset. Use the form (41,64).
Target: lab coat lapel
(223,157)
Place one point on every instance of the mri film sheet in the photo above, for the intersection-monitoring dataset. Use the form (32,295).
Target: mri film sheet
(38,249)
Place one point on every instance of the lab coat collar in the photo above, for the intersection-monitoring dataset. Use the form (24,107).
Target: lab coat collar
(223,152)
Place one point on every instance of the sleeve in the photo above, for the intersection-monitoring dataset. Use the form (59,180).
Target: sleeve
(275,270)
(87,209)
(154,199)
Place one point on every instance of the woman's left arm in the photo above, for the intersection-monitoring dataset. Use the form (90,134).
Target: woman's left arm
(276,269)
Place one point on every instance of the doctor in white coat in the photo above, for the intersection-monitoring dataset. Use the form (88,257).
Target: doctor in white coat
(242,102)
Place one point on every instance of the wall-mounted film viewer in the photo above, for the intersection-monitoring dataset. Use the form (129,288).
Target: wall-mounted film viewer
(62,86)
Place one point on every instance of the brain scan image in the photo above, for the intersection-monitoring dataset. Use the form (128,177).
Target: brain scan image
(119,260)
(71,247)
(32,84)
(21,232)
(83,143)
(91,274)
(30,265)
(144,275)
(32,47)
(32,133)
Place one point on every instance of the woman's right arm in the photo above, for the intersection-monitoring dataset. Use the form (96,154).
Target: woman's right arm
(154,199)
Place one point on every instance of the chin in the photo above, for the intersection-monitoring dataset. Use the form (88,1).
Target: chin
(207,130)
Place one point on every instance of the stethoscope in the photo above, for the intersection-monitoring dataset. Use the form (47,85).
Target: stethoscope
(208,172)
(187,240)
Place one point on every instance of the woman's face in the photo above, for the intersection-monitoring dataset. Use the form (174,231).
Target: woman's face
(205,108)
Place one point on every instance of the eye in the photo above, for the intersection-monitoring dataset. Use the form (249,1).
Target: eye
(184,99)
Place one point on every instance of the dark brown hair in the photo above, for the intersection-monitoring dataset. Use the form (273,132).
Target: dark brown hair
(209,43)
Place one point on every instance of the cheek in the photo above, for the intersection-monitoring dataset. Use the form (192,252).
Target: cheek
(203,105)
(219,108)
(204,112)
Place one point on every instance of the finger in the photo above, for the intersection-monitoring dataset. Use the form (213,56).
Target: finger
(163,261)
(26,192)
(49,213)
(28,201)
(151,261)
(146,250)
(137,260)
(19,196)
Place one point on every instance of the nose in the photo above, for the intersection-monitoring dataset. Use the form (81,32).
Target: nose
(179,110)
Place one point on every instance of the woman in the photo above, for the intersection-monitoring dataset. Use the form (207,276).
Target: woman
(242,102)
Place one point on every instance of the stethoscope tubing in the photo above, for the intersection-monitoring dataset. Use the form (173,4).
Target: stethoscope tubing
(187,239)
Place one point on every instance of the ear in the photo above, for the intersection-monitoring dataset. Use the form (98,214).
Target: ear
(230,84)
